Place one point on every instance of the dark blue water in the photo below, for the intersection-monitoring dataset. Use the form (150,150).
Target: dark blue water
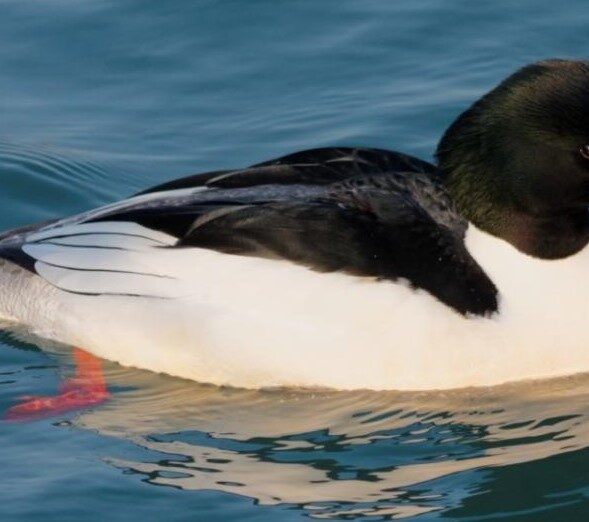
(100,99)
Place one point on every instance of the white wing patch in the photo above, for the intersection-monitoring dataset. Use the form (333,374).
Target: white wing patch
(91,258)
(113,258)
(106,240)
(96,282)
(121,228)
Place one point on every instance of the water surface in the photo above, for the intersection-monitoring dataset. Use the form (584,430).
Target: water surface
(101,99)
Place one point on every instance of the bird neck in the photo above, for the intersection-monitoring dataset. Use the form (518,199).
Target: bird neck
(547,237)
(549,234)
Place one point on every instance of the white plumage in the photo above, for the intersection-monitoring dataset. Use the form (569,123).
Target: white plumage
(251,322)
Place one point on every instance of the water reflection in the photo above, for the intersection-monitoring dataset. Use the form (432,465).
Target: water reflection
(340,455)
(345,454)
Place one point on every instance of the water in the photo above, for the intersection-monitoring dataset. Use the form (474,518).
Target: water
(101,99)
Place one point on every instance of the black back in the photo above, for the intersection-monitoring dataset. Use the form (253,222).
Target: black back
(367,212)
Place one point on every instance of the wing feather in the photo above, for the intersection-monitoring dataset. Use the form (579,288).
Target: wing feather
(366,212)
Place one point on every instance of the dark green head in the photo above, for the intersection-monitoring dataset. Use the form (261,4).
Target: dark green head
(516,163)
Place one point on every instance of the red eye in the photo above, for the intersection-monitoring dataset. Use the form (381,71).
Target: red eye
(584,151)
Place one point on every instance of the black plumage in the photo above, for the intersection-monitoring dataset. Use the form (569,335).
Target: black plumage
(365,212)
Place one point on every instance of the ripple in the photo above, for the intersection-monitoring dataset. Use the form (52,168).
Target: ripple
(340,454)
(51,164)
(41,183)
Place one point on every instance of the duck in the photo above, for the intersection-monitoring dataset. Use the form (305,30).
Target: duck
(341,267)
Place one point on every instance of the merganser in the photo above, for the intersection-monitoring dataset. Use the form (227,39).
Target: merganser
(341,267)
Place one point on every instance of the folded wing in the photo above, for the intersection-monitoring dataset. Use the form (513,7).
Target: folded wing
(365,212)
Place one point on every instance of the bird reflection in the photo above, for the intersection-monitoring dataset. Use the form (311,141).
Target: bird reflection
(339,454)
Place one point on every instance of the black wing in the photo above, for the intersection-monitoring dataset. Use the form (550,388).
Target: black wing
(367,229)
(366,212)
(316,166)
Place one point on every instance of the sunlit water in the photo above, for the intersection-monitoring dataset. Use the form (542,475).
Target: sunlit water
(101,99)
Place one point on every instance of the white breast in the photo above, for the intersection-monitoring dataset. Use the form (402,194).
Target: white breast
(253,322)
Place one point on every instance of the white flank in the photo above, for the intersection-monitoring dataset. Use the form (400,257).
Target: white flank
(251,322)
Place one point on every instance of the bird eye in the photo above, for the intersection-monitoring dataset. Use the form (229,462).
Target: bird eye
(584,151)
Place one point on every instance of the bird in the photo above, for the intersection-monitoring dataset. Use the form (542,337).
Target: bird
(341,267)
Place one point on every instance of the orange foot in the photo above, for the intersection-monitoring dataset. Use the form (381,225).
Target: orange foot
(86,388)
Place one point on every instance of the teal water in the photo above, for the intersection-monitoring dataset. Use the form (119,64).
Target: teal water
(101,99)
